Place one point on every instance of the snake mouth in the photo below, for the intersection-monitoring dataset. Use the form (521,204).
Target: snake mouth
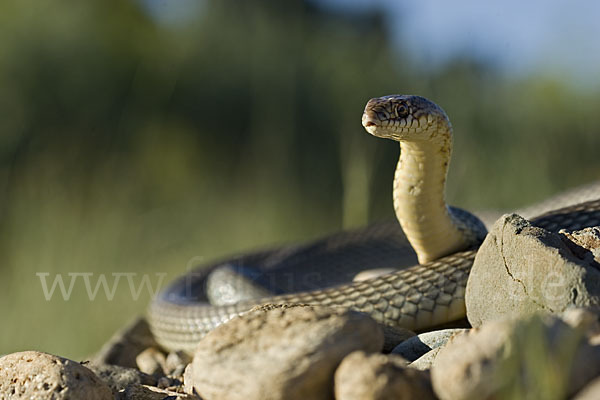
(369,120)
(373,125)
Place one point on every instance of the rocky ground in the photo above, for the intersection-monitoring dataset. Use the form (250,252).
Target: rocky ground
(532,299)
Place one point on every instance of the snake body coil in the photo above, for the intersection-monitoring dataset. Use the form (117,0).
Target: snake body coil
(425,295)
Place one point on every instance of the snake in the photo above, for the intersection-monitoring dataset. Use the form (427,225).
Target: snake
(422,288)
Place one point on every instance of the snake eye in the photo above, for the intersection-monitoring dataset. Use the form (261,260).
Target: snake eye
(401,110)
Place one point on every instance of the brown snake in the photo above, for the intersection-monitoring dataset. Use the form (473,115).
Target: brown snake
(422,296)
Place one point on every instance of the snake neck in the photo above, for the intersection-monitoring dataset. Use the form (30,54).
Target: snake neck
(419,199)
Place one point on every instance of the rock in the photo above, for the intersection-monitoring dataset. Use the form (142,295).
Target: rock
(425,362)
(164,383)
(520,269)
(151,361)
(279,352)
(118,378)
(139,392)
(459,368)
(590,392)
(363,376)
(35,375)
(415,347)
(176,363)
(587,243)
(123,348)
(583,319)
(537,357)
(595,340)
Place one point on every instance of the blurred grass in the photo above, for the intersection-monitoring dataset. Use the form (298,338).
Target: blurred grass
(131,146)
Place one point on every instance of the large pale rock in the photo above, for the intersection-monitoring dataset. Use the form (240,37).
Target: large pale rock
(363,376)
(279,352)
(537,357)
(35,375)
(520,269)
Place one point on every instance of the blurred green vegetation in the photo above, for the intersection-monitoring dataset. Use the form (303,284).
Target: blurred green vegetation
(127,145)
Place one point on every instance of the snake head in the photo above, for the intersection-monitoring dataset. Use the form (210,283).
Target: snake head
(404,117)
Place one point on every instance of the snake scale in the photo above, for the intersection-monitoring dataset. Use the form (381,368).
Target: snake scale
(427,294)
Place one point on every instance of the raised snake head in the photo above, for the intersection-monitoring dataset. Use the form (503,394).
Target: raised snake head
(405,118)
